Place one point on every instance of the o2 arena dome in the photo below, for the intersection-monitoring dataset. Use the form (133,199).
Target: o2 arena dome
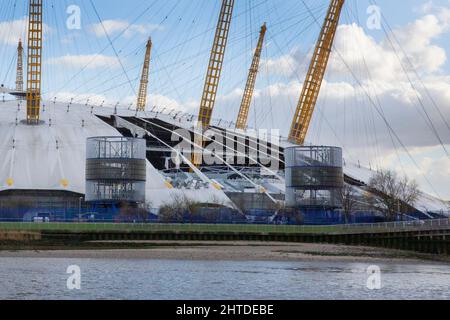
(45,164)
(43,158)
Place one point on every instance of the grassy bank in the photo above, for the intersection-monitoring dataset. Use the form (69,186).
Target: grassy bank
(152,227)
(400,236)
(443,224)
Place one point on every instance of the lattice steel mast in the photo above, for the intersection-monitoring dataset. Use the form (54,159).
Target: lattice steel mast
(214,71)
(215,63)
(316,72)
(34,61)
(142,96)
(19,71)
(241,122)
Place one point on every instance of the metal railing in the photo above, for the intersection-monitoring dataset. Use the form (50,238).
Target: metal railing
(422,225)
(432,224)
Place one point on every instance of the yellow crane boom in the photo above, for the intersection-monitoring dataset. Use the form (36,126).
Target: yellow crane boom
(215,63)
(241,122)
(34,61)
(316,72)
(19,71)
(213,74)
(142,96)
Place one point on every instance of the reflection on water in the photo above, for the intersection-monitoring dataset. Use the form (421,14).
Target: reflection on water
(31,278)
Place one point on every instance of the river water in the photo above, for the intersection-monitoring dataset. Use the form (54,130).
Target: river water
(46,278)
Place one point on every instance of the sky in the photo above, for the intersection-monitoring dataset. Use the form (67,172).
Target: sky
(385,98)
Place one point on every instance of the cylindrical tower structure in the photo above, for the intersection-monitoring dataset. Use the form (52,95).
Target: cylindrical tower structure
(314,177)
(115,169)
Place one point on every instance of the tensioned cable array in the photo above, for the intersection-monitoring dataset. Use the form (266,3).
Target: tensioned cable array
(181,54)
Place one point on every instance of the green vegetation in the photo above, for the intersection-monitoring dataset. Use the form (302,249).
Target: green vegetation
(215,228)
(146,227)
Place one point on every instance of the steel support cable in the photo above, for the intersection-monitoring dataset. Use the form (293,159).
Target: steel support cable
(273,39)
(108,68)
(379,105)
(250,147)
(416,73)
(204,33)
(117,86)
(208,138)
(165,19)
(7,38)
(52,48)
(223,145)
(201,175)
(294,72)
(166,16)
(106,71)
(361,100)
(269,91)
(194,62)
(157,56)
(109,79)
(114,48)
(219,158)
(431,124)
(368,73)
(130,82)
(388,125)
(180,56)
(262,116)
(10,67)
(106,47)
(171,82)
(52,44)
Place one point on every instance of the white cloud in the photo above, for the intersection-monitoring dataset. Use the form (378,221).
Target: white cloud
(344,116)
(233,96)
(14,30)
(286,65)
(416,40)
(432,165)
(387,59)
(114,27)
(79,98)
(388,83)
(93,61)
(343,108)
(162,101)
(359,50)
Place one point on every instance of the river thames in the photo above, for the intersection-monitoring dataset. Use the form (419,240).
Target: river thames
(46,278)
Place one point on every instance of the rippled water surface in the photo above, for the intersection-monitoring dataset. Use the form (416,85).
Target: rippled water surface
(31,278)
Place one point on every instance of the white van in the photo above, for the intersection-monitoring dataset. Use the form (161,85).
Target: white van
(41,219)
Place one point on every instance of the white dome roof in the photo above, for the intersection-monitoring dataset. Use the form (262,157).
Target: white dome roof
(52,155)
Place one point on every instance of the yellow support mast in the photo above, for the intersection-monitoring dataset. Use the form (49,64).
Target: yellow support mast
(142,96)
(19,70)
(34,61)
(315,75)
(213,74)
(241,122)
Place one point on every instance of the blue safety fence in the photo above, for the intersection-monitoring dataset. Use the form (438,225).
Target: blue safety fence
(70,214)
(201,215)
